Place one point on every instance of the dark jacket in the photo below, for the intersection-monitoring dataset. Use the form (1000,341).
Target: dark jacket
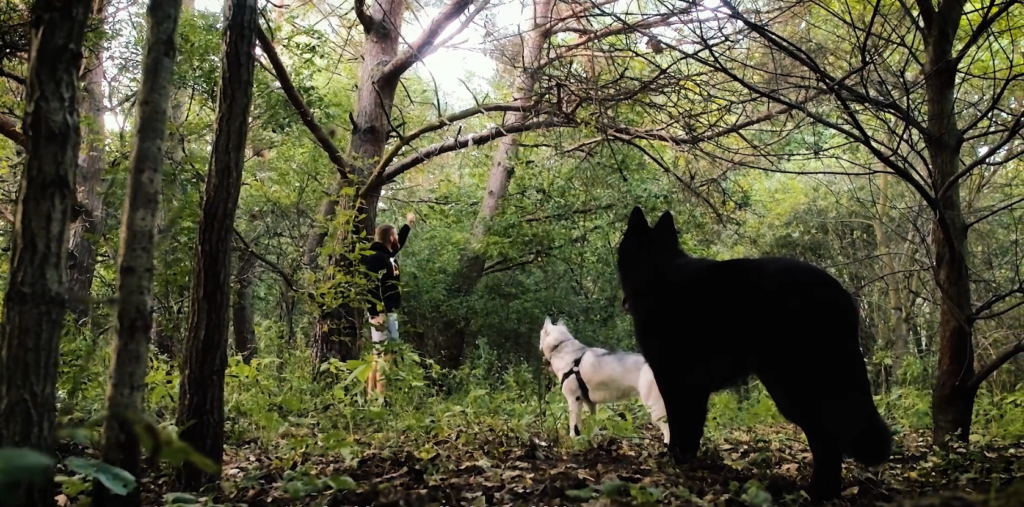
(383,262)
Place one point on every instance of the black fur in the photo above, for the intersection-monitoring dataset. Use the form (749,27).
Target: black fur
(705,325)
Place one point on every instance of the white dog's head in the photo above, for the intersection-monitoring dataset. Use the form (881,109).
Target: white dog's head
(552,336)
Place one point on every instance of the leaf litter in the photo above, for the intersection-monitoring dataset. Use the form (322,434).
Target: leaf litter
(739,468)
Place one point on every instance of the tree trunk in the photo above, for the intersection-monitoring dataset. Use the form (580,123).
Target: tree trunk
(165,337)
(288,314)
(336,332)
(201,405)
(952,395)
(242,318)
(899,325)
(88,227)
(127,386)
(35,302)
(472,261)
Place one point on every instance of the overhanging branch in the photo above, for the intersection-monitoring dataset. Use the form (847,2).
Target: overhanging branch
(443,122)
(344,167)
(13,77)
(269,263)
(997,362)
(9,129)
(425,154)
(425,44)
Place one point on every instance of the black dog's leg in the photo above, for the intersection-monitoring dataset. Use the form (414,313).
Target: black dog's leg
(827,477)
(686,412)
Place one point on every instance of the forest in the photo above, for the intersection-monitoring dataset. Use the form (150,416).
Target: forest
(188,191)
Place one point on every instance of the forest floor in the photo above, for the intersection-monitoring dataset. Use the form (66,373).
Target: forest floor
(756,467)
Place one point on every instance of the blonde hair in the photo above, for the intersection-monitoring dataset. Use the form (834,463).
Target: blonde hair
(383,233)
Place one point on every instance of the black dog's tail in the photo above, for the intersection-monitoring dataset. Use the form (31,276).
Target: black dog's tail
(869,439)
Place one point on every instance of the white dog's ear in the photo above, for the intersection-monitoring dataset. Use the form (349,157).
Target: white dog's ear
(561,322)
(547,321)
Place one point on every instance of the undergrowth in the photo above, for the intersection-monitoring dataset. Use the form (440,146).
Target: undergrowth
(276,404)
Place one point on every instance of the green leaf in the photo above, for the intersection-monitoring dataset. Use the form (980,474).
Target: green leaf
(117,480)
(20,464)
(79,434)
(341,482)
(172,499)
(178,452)
(291,402)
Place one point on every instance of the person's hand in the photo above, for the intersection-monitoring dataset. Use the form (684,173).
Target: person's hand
(410,219)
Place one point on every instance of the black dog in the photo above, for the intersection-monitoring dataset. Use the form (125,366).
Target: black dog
(705,325)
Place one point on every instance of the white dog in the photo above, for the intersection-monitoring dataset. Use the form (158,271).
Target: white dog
(592,375)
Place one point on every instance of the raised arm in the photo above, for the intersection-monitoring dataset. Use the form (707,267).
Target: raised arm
(403,233)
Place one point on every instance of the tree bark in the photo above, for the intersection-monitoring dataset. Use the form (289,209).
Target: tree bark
(201,405)
(953,395)
(35,302)
(472,261)
(127,385)
(242,314)
(88,227)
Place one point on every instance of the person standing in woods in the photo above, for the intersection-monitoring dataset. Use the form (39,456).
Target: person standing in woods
(385,292)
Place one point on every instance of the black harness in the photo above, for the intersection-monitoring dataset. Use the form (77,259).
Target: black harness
(575,370)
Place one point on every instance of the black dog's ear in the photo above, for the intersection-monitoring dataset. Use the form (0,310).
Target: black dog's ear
(637,219)
(666,226)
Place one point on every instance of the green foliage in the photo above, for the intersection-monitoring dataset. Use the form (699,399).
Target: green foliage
(19,464)
(117,480)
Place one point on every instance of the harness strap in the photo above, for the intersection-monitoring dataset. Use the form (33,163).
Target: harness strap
(575,370)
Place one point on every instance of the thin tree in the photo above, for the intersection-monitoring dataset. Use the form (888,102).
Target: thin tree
(201,401)
(127,385)
(36,297)
(242,317)
(88,223)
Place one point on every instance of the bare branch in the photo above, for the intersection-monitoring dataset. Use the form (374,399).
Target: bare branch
(999,209)
(983,27)
(997,362)
(993,301)
(406,140)
(425,154)
(425,44)
(12,76)
(343,166)
(269,263)
(708,136)
(1015,128)
(9,129)
(365,20)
